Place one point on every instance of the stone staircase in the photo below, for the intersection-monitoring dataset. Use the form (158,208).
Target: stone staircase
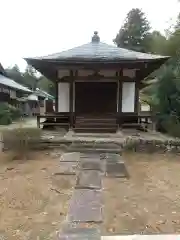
(95,147)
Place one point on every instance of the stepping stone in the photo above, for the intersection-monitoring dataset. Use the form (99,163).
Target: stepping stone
(85,206)
(89,179)
(80,234)
(115,158)
(115,169)
(70,157)
(91,164)
(67,168)
(90,155)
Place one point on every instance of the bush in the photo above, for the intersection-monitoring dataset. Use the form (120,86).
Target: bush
(172,126)
(5,114)
(21,141)
(8,113)
(15,112)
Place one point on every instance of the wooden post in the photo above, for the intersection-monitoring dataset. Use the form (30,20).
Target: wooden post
(56,97)
(38,121)
(1,143)
(71,100)
(120,75)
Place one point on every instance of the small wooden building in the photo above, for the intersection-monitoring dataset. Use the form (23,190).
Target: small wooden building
(11,92)
(97,85)
(39,102)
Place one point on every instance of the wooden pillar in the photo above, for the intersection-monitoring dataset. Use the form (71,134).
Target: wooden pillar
(38,121)
(120,74)
(71,99)
(137,87)
(136,95)
(56,97)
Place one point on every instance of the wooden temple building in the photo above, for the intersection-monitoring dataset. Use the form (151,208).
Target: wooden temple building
(97,85)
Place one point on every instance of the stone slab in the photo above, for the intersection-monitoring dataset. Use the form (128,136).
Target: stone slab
(113,157)
(67,168)
(115,169)
(95,144)
(89,179)
(70,157)
(80,234)
(91,155)
(91,164)
(85,206)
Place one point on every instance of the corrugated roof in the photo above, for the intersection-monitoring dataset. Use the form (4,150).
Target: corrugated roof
(12,84)
(96,50)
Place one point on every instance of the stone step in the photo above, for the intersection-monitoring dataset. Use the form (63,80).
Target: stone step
(90,150)
(95,145)
(70,157)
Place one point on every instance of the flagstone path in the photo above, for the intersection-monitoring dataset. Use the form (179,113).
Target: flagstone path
(86,204)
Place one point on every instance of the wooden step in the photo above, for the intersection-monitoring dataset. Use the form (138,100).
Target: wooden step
(96,125)
(131,125)
(95,130)
(54,124)
(96,120)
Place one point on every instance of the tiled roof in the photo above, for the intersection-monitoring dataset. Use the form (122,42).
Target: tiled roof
(12,84)
(32,97)
(41,93)
(96,50)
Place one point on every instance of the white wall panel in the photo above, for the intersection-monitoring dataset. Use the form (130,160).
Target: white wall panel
(131,73)
(128,96)
(63,72)
(63,97)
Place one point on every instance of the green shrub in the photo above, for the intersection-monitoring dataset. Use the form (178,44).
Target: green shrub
(5,114)
(8,113)
(21,141)
(15,112)
(172,126)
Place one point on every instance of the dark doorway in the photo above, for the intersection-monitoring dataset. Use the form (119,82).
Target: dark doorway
(95,98)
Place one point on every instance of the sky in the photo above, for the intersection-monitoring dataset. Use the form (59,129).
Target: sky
(32,28)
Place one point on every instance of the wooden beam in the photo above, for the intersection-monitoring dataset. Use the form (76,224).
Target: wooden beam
(97,78)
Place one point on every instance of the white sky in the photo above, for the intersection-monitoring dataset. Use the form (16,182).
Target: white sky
(40,27)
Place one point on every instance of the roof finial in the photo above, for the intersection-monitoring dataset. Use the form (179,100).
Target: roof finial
(95,37)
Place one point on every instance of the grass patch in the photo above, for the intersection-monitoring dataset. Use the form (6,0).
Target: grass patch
(21,141)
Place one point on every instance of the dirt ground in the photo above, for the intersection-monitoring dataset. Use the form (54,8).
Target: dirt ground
(33,201)
(147,202)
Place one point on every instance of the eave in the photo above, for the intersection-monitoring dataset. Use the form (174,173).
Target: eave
(48,67)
